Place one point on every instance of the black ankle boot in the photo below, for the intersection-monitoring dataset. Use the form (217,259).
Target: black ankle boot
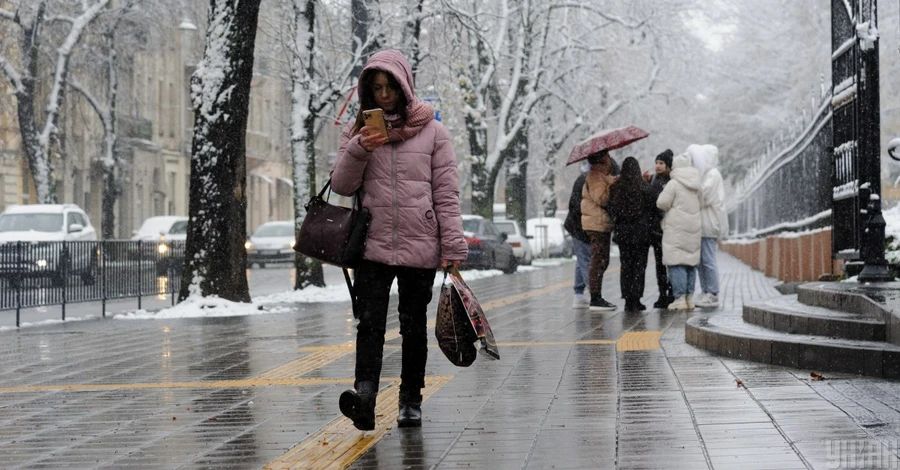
(410,415)
(359,405)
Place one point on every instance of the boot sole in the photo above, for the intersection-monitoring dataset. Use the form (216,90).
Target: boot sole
(602,309)
(350,406)
(409,423)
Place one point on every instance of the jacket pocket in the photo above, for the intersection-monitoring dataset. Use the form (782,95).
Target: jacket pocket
(427,214)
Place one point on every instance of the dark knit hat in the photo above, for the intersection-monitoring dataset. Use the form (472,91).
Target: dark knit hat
(666,157)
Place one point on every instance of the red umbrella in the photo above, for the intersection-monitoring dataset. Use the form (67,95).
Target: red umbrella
(609,139)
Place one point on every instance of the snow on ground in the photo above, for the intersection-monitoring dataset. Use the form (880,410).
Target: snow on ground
(195,307)
(47,322)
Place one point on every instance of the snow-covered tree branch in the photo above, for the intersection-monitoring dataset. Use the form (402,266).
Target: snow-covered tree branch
(37,137)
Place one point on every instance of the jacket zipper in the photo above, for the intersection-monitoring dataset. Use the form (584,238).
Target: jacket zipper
(394,185)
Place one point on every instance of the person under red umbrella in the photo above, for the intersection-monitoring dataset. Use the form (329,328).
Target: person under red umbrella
(598,225)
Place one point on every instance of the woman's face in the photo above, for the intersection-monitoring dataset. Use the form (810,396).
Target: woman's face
(386,97)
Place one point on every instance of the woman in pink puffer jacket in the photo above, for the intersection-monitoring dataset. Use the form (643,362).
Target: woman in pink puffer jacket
(410,184)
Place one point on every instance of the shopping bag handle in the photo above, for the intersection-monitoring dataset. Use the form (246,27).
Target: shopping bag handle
(450,268)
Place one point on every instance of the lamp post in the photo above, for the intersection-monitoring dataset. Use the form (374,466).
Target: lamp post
(875,268)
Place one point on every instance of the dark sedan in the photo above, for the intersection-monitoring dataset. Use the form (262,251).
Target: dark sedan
(488,248)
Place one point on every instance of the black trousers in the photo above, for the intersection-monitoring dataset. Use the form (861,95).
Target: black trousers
(600,244)
(634,264)
(662,279)
(373,289)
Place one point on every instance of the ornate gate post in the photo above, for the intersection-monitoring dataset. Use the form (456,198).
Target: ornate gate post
(869,133)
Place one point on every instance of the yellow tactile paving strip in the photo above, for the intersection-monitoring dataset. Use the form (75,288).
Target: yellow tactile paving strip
(339,444)
(527,295)
(315,360)
(638,341)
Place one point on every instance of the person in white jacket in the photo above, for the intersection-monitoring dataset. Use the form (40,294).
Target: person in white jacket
(713,218)
(681,230)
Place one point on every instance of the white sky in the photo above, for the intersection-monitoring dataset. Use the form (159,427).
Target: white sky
(712,34)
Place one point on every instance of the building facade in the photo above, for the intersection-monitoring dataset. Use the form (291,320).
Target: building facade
(155,127)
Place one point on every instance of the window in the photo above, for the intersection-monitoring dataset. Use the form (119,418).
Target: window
(508,227)
(29,222)
(179,228)
(273,230)
(148,102)
(79,219)
(173,117)
(160,110)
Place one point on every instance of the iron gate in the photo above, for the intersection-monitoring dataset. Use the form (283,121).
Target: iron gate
(856,170)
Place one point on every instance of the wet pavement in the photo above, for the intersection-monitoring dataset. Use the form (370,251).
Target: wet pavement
(573,389)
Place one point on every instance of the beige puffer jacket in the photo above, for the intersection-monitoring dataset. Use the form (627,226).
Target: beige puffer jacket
(594,197)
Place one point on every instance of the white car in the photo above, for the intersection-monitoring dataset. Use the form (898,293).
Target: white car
(517,239)
(272,242)
(548,237)
(163,238)
(44,227)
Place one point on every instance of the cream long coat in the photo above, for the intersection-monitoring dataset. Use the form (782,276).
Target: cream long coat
(681,224)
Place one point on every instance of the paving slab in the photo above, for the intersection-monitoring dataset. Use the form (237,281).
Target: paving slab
(573,389)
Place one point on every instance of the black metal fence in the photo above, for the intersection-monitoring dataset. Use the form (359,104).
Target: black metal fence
(34,274)
(791,189)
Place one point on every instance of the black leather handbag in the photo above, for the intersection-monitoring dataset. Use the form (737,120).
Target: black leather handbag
(334,234)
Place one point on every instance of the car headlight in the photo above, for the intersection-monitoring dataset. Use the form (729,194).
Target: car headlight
(162,248)
(42,263)
(248,246)
(288,246)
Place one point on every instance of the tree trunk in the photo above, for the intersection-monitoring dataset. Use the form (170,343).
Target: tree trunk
(482,183)
(308,271)
(548,190)
(36,154)
(412,29)
(517,177)
(215,257)
(110,158)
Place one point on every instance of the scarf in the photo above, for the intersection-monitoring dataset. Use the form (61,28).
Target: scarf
(418,114)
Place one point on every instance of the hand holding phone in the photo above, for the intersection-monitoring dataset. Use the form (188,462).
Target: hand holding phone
(375,119)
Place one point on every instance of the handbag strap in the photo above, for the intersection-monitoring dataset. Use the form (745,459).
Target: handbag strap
(356,195)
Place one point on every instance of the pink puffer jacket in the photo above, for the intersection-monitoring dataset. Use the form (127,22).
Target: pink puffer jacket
(410,186)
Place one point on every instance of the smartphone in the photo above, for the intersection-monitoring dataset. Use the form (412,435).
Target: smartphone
(375,118)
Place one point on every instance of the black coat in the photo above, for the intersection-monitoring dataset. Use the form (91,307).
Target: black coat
(657,184)
(633,211)
(572,223)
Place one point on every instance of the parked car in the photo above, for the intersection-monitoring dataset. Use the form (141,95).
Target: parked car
(164,237)
(487,246)
(517,239)
(272,242)
(45,227)
(547,233)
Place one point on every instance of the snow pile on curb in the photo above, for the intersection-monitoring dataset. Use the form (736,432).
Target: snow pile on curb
(892,235)
(48,322)
(198,307)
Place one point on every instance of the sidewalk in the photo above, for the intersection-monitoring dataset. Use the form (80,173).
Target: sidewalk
(573,389)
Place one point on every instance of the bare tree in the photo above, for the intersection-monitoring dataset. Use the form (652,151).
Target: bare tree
(115,33)
(32,19)
(317,84)
(215,257)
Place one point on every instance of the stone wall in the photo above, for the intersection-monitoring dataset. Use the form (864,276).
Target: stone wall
(789,257)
